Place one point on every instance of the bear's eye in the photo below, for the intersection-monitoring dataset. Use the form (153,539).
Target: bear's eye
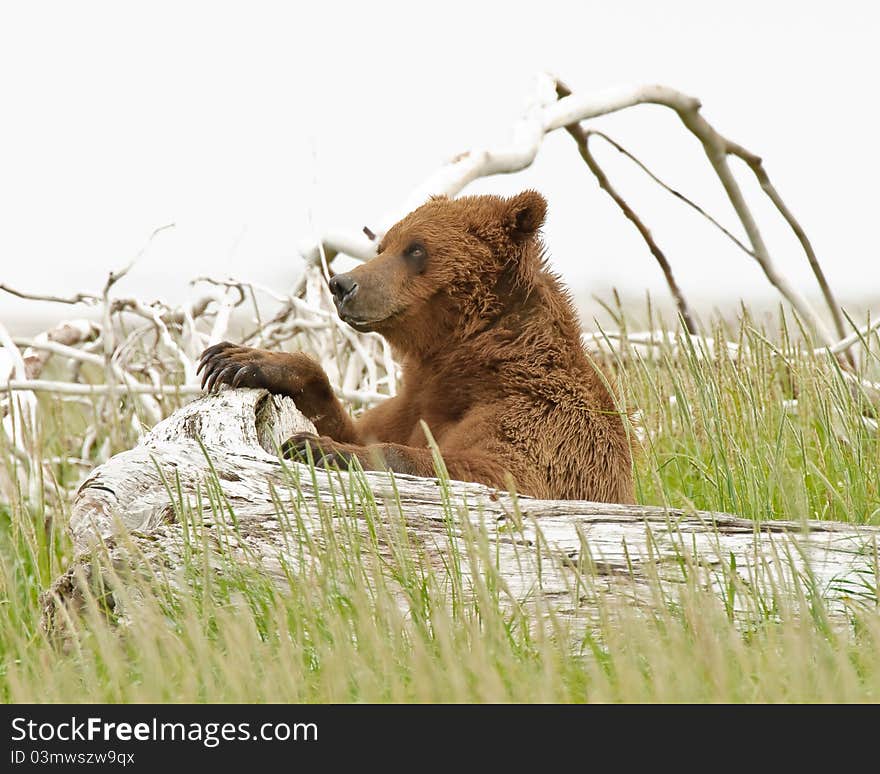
(416,255)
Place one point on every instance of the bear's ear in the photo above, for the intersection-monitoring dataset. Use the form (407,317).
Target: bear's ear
(524,215)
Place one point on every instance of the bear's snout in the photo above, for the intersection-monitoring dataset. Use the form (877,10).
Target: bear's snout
(344,288)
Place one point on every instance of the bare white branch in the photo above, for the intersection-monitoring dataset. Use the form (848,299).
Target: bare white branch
(67,388)
(854,338)
(546,114)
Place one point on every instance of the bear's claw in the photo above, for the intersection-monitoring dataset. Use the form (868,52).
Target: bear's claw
(228,363)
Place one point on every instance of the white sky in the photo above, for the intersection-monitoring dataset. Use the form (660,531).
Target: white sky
(252,124)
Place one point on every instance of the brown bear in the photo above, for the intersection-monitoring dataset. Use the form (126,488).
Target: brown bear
(492,359)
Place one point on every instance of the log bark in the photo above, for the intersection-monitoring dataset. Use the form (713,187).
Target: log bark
(128,512)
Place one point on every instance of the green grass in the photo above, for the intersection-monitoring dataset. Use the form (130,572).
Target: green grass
(724,435)
(361,623)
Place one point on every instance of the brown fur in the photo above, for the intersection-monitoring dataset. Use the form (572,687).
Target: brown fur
(492,360)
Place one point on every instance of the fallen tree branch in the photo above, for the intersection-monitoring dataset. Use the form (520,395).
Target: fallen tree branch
(582,138)
(675,343)
(756,165)
(545,113)
(717,147)
(18,413)
(80,298)
(662,338)
(668,188)
(59,340)
(543,548)
(856,337)
(54,348)
(69,388)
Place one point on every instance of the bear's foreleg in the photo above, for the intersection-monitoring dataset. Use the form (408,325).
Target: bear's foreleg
(461,466)
(294,374)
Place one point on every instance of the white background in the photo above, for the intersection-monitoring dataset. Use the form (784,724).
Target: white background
(251,125)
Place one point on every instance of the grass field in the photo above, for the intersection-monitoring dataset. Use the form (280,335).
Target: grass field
(777,432)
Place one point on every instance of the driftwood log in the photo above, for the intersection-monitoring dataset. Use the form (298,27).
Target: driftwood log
(130,509)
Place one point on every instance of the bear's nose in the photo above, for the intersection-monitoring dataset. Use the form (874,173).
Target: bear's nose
(343,287)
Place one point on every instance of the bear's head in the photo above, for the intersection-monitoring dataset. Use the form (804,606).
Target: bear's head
(445,268)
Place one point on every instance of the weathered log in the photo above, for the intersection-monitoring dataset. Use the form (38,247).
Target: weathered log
(130,507)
